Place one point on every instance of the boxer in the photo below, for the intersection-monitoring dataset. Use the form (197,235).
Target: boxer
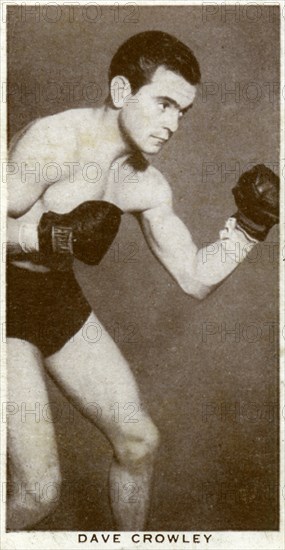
(53,220)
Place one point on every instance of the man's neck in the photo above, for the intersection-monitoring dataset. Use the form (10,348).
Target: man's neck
(114,146)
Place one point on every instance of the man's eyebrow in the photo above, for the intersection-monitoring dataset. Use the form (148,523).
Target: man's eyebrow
(173,102)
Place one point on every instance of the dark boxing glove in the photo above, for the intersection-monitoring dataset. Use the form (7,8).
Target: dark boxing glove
(257,198)
(84,233)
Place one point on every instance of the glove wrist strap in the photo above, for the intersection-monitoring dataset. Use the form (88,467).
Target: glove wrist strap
(254,231)
(28,237)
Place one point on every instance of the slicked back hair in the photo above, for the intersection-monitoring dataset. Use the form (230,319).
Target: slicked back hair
(139,57)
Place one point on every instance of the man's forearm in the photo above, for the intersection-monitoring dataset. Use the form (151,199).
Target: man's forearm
(216,261)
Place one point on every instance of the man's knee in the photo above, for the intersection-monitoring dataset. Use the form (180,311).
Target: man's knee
(138,446)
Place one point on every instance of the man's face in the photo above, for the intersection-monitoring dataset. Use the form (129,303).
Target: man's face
(152,115)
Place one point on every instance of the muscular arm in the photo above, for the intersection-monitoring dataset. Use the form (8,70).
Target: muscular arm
(40,144)
(24,187)
(197,272)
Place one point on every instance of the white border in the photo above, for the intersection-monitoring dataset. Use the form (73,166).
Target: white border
(220,540)
(3,155)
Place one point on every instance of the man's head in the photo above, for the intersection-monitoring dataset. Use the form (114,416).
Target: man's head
(153,78)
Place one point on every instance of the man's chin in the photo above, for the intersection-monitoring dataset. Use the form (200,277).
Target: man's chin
(152,149)
(148,147)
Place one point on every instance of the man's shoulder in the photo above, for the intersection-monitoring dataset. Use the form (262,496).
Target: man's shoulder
(52,135)
(69,117)
(160,188)
(149,188)
(148,174)
(63,125)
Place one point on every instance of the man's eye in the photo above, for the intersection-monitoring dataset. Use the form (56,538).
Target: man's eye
(163,105)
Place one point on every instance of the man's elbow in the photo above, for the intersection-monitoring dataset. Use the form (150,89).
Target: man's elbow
(200,294)
(197,290)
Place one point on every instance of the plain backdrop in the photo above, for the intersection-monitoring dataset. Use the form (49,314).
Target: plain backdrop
(207,371)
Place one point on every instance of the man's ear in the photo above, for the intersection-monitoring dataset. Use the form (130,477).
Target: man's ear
(120,89)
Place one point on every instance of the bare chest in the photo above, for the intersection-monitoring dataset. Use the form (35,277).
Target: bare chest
(122,186)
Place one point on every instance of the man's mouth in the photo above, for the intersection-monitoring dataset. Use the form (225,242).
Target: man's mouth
(159,139)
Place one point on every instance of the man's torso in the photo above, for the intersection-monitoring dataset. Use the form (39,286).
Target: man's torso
(70,159)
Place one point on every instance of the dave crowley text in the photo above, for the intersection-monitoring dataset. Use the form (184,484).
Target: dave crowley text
(138,538)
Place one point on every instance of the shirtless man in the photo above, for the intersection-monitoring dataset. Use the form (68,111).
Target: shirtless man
(63,214)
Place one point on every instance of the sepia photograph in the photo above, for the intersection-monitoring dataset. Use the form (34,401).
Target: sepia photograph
(141,328)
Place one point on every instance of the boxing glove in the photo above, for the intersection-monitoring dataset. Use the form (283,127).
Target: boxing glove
(257,198)
(84,233)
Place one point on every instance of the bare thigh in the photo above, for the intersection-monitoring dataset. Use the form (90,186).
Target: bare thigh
(92,371)
(31,439)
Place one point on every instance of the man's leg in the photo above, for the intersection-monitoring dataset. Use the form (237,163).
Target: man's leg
(91,369)
(33,488)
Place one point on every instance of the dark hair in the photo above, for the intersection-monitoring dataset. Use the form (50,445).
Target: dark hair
(139,57)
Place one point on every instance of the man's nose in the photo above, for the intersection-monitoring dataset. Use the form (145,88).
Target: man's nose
(172,122)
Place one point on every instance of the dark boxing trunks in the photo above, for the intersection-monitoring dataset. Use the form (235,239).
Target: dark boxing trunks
(46,309)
